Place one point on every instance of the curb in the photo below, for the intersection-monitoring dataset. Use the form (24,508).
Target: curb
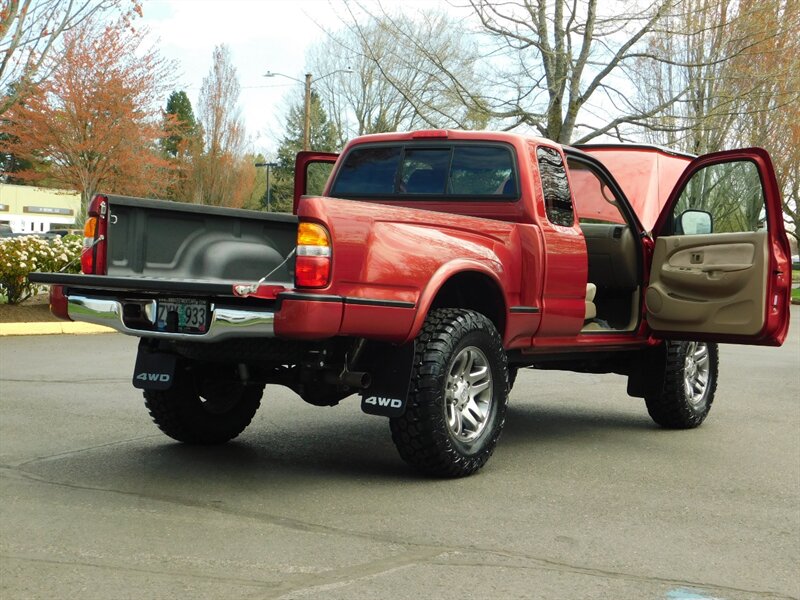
(72,327)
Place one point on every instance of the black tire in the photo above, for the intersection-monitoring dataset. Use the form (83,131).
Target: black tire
(209,411)
(512,377)
(426,435)
(689,371)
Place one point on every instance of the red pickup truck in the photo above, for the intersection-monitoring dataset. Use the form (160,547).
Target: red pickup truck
(434,266)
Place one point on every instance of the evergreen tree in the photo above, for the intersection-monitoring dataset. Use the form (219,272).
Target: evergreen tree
(323,138)
(181,124)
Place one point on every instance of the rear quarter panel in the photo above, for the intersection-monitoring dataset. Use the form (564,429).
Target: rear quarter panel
(402,256)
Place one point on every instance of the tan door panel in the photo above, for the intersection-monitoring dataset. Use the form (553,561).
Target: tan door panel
(712,283)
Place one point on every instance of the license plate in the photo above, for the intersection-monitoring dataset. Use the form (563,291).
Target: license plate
(181,315)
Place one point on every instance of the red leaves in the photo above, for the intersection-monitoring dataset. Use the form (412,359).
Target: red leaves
(93,123)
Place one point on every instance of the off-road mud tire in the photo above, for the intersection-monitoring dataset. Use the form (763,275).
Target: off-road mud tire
(672,404)
(422,434)
(184,415)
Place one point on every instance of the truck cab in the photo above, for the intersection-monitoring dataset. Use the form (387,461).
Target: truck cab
(588,221)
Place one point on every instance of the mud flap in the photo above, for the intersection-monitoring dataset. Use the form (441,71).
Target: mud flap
(390,367)
(153,370)
(646,375)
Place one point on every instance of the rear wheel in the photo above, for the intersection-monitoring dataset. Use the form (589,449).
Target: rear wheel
(689,384)
(459,392)
(198,410)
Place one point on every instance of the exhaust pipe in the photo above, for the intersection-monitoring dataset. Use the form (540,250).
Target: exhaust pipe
(359,380)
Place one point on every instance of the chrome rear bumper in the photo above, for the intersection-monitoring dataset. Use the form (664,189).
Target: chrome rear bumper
(225,321)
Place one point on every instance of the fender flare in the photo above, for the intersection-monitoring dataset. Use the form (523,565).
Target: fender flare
(442,275)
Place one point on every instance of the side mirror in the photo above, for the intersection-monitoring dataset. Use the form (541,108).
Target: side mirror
(694,222)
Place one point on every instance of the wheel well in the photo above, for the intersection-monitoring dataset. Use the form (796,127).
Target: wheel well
(474,291)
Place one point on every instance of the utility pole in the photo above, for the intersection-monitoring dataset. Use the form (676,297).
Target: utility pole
(307,121)
(307,115)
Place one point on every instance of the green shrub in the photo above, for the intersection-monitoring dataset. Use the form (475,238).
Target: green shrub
(20,256)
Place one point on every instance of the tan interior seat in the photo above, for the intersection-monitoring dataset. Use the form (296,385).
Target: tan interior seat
(591,310)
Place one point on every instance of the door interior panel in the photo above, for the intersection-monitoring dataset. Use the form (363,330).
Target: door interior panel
(712,283)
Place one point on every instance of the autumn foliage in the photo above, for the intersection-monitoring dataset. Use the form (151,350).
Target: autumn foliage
(93,124)
(223,175)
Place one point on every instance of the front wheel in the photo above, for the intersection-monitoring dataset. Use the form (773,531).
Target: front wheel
(689,382)
(203,410)
(459,391)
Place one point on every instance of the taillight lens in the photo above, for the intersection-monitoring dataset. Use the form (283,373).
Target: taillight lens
(95,231)
(312,267)
(87,254)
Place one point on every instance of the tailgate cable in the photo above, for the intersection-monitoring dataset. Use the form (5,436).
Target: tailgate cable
(77,258)
(244,290)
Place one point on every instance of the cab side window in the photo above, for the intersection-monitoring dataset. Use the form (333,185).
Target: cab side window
(555,187)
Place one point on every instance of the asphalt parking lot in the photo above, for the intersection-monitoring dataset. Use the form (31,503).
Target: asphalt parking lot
(584,498)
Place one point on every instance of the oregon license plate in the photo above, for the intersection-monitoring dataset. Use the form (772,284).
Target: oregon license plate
(182,315)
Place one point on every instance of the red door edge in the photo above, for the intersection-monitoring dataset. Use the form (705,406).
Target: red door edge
(301,163)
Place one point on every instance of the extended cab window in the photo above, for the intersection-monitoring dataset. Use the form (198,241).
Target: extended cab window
(595,202)
(485,172)
(555,187)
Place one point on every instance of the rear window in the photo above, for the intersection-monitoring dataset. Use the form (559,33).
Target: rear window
(463,171)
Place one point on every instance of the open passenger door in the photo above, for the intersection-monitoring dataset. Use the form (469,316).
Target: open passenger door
(311,172)
(721,267)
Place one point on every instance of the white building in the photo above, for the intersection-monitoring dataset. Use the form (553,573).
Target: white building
(28,209)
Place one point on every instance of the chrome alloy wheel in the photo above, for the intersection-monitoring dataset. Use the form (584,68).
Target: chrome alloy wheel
(696,372)
(468,394)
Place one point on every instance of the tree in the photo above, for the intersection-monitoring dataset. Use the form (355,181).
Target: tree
(771,115)
(390,84)
(9,163)
(180,123)
(741,70)
(572,60)
(258,195)
(223,177)
(92,123)
(324,138)
(29,33)
(182,146)
(566,69)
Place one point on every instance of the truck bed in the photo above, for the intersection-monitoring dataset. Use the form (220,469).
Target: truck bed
(188,255)
(161,246)
(156,239)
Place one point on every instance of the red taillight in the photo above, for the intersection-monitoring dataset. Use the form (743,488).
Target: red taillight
(95,233)
(312,267)
(312,271)
(87,254)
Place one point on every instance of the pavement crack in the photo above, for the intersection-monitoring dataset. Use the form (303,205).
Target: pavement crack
(338,578)
(144,570)
(67,453)
(543,564)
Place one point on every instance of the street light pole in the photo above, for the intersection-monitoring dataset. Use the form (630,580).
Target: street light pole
(307,103)
(269,191)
